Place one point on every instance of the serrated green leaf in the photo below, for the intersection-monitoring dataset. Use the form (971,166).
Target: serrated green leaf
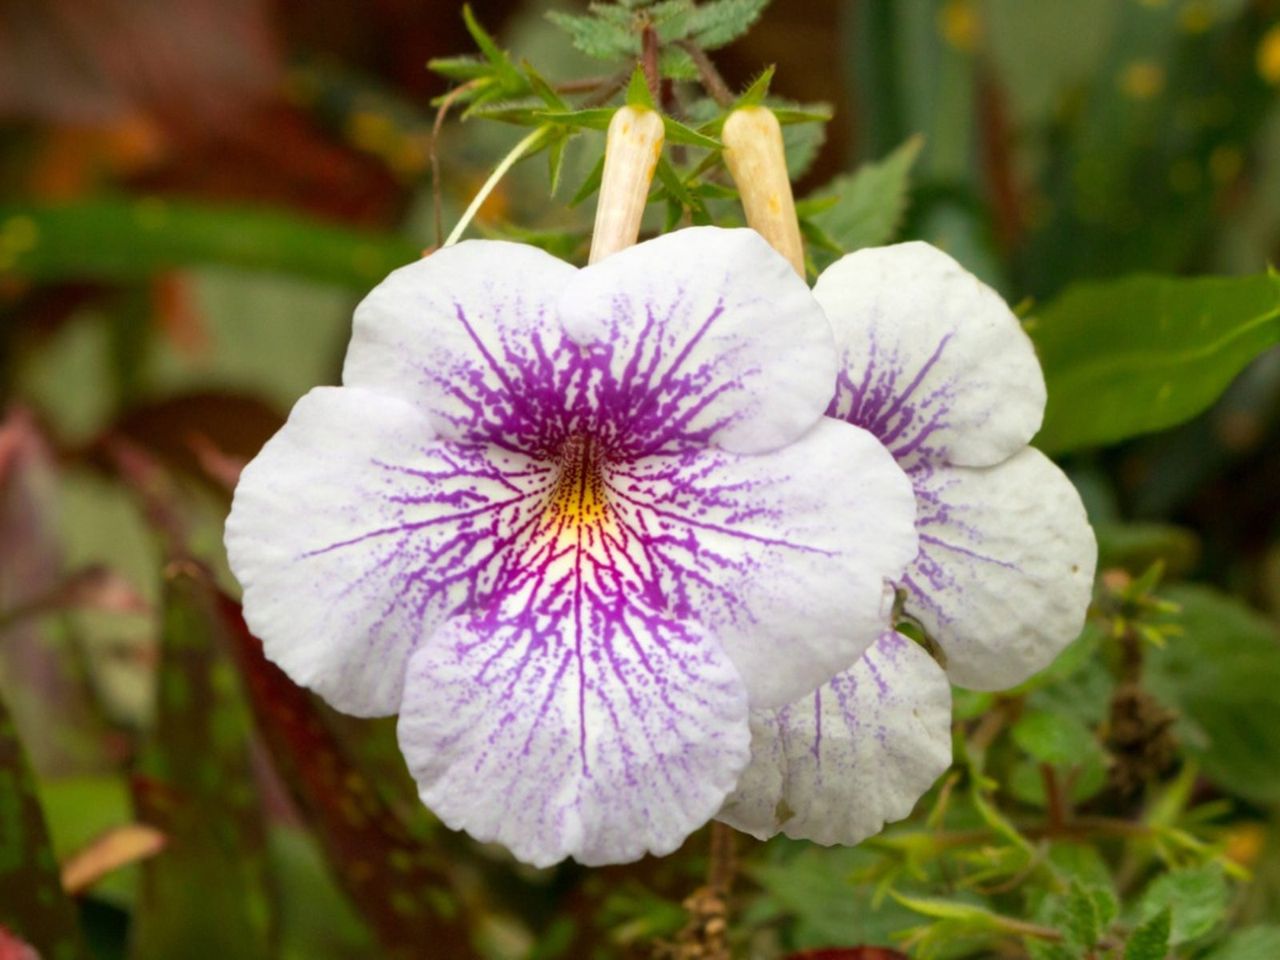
(1196,897)
(32,904)
(598,37)
(1132,356)
(676,64)
(720,22)
(1080,917)
(1150,941)
(207,894)
(1221,674)
(870,202)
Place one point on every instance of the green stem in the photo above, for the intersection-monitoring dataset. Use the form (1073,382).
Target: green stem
(527,145)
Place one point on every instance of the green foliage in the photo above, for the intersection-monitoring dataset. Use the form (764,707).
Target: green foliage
(1150,941)
(1195,898)
(32,904)
(864,208)
(207,894)
(1132,356)
(1221,673)
(117,239)
(1255,943)
(613,31)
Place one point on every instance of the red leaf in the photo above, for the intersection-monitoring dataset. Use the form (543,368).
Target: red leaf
(391,876)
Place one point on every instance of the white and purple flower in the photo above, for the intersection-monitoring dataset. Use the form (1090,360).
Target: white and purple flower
(934,364)
(574,524)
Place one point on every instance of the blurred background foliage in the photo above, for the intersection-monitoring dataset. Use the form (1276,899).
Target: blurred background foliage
(194,194)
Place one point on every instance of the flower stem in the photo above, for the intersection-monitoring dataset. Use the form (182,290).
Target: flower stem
(527,145)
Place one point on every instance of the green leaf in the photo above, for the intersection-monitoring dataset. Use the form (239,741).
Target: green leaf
(1221,674)
(720,22)
(32,904)
(590,118)
(598,37)
(677,132)
(1196,897)
(870,202)
(754,95)
(1254,943)
(1150,941)
(589,185)
(207,894)
(638,93)
(119,239)
(1053,738)
(460,68)
(1084,912)
(1132,356)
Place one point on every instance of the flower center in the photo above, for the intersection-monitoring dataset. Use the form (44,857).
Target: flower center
(579,496)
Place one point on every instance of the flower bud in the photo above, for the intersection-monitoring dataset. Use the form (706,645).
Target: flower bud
(753,152)
(631,153)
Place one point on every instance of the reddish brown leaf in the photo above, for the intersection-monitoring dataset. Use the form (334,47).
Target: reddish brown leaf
(391,876)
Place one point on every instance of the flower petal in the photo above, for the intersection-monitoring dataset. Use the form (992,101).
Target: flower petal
(784,556)
(581,724)
(709,335)
(838,765)
(1005,570)
(931,360)
(356,533)
(470,336)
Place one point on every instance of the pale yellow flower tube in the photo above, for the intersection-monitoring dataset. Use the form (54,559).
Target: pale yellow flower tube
(632,148)
(757,162)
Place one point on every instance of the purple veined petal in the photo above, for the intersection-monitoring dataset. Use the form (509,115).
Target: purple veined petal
(705,335)
(574,721)
(785,556)
(469,335)
(356,533)
(932,361)
(838,765)
(1006,564)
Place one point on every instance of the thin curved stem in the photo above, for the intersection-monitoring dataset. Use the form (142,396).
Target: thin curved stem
(525,146)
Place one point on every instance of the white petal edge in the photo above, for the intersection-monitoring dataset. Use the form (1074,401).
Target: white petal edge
(1005,572)
(598,732)
(859,753)
(456,334)
(719,309)
(931,359)
(787,557)
(356,532)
